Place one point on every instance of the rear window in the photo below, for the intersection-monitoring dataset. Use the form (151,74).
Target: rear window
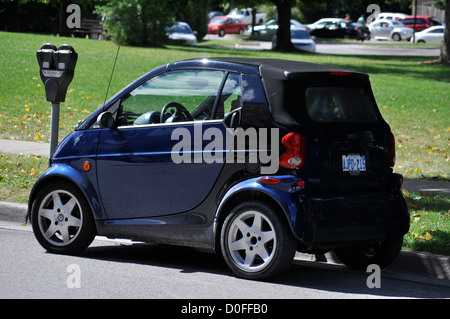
(340,104)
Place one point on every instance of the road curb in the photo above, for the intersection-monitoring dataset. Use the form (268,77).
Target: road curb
(13,212)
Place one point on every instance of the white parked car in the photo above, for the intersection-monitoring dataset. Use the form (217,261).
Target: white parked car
(431,35)
(390,29)
(245,15)
(390,16)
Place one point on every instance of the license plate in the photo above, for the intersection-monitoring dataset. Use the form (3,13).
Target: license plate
(353,163)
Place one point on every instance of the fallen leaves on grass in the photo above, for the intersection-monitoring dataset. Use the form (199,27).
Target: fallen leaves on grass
(427,236)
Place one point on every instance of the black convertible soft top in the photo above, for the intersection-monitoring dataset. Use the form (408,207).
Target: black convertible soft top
(285,81)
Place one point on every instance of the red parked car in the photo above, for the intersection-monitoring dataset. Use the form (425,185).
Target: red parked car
(225,25)
(422,22)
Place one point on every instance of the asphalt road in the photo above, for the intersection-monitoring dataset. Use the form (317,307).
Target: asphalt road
(118,269)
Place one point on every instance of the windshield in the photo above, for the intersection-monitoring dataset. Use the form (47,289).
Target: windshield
(217,20)
(181,29)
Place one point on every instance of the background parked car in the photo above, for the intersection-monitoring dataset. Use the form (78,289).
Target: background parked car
(390,16)
(300,38)
(319,24)
(271,27)
(431,35)
(225,25)
(331,29)
(182,33)
(390,29)
(422,22)
(245,15)
(340,28)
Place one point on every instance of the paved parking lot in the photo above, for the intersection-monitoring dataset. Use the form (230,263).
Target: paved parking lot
(372,47)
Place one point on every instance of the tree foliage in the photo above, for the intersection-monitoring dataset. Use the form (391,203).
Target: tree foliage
(137,22)
(194,12)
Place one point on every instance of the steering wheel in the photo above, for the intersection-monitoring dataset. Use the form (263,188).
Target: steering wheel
(181,113)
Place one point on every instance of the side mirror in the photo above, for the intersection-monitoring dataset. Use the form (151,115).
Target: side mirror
(105,120)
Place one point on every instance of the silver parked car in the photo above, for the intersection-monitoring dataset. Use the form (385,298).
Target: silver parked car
(431,35)
(390,29)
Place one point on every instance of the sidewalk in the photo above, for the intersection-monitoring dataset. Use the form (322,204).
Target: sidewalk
(22,147)
(410,265)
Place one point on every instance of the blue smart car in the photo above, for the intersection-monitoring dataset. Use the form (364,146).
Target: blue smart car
(254,159)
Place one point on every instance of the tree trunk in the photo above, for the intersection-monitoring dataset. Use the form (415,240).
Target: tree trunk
(445,46)
(284,25)
(62,15)
(253,20)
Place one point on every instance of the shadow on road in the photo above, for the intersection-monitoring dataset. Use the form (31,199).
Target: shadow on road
(302,274)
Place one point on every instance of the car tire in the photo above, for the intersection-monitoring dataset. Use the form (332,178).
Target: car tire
(396,37)
(421,41)
(256,241)
(221,33)
(381,254)
(62,220)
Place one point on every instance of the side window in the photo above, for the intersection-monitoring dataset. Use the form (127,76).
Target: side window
(181,95)
(230,98)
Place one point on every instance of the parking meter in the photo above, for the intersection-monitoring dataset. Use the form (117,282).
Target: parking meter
(56,68)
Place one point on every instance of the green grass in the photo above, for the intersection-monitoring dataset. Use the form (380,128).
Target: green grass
(18,173)
(430,223)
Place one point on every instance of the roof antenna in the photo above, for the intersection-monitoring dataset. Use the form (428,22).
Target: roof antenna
(112,72)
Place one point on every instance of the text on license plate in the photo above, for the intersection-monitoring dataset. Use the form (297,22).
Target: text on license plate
(353,163)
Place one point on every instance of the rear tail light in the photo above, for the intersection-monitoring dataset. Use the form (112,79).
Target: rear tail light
(340,73)
(294,157)
(391,150)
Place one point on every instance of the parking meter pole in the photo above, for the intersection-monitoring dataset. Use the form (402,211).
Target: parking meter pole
(54,129)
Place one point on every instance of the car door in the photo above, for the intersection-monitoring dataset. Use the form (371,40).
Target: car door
(375,29)
(151,168)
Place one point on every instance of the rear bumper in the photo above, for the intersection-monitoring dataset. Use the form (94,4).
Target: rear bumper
(342,220)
